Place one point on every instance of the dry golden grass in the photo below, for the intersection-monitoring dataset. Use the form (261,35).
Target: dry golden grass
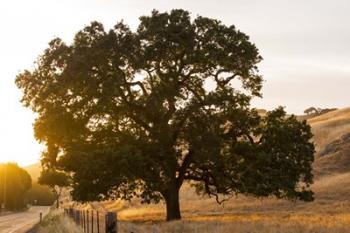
(338,162)
(331,116)
(329,213)
(56,222)
(330,126)
(327,128)
(230,227)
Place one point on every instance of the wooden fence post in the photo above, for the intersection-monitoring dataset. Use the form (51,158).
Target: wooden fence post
(79,218)
(82,219)
(98,221)
(84,222)
(111,222)
(88,220)
(92,221)
(76,216)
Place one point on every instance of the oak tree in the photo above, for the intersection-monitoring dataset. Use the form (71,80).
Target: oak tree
(138,113)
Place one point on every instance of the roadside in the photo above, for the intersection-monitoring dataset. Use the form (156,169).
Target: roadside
(56,222)
(4,213)
(22,221)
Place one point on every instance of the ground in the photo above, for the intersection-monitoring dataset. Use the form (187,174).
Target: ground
(22,221)
(330,212)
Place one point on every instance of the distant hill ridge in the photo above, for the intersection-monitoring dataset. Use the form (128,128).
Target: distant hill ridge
(34,171)
(332,138)
(330,127)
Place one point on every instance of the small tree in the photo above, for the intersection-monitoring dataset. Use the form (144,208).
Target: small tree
(55,180)
(311,110)
(40,195)
(140,113)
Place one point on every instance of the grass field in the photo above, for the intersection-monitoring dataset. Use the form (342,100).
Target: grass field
(56,222)
(329,213)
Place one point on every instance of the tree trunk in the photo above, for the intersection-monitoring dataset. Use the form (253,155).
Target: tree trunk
(57,194)
(57,202)
(172,205)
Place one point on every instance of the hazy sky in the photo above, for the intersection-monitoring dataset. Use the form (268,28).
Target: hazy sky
(305,45)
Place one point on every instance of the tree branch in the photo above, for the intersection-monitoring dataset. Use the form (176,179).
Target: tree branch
(185,164)
(250,138)
(226,80)
(133,107)
(140,84)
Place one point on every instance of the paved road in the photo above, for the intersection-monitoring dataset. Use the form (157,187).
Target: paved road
(19,222)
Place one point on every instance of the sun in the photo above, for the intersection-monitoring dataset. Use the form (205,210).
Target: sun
(16,132)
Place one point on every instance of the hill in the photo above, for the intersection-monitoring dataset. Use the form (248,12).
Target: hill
(332,138)
(330,211)
(34,171)
(329,127)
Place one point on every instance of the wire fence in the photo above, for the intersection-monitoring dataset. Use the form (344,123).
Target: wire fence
(92,221)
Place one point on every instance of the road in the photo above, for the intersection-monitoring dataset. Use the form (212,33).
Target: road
(20,222)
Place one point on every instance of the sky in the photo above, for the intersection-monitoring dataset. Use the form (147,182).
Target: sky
(305,46)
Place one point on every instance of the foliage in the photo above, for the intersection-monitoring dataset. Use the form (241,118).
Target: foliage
(138,113)
(318,111)
(14,183)
(311,110)
(40,195)
(56,180)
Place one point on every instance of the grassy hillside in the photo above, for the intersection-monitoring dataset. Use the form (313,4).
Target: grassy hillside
(330,126)
(330,212)
(332,139)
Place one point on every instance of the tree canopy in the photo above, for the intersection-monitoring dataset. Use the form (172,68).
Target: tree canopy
(138,113)
(14,184)
(55,180)
(318,111)
(40,195)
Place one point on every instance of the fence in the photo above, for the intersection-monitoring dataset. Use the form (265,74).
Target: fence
(92,221)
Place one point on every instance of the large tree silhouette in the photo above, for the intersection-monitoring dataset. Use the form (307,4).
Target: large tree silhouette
(139,113)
